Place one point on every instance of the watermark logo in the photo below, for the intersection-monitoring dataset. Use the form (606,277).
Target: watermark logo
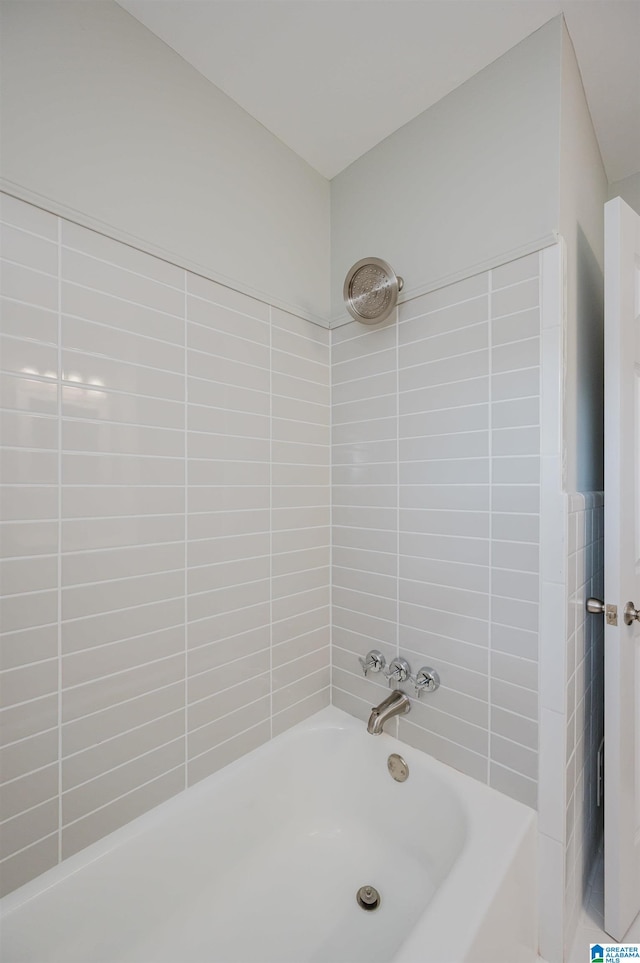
(614,952)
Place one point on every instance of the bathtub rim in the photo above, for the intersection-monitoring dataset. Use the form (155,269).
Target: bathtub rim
(476,797)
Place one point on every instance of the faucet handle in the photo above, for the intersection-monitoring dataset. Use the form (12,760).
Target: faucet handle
(374,661)
(425,680)
(399,671)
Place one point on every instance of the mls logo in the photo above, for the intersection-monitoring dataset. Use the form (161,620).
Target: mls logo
(597,953)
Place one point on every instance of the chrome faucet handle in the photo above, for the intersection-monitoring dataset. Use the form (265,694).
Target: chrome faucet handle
(399,671)
(425,680)
(374,662)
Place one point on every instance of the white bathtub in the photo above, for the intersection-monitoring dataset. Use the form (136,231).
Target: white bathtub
(261,863)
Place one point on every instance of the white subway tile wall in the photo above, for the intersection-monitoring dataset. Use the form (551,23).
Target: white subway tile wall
(436,518)
(198,497)
(584,703)
(164,531)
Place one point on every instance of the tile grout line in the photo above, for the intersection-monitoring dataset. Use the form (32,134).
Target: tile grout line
(59,482)
(270,322)
(186,538)
(491,493)
(397,485)
(120,766)
(80,248)
(330,499)
(128,793)
(24,849)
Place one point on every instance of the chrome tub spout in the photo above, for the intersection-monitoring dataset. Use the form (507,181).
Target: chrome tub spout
(396,703)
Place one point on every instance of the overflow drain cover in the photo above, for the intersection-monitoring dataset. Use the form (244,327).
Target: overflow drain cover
(368,897)
(397,767)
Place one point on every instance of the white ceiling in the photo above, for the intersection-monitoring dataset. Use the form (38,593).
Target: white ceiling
(332,78)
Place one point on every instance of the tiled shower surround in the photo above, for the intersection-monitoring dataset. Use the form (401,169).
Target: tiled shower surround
(585,707)
(436,502)
(165,532)
(173,503)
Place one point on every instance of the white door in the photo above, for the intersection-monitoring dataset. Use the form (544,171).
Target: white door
(622,567)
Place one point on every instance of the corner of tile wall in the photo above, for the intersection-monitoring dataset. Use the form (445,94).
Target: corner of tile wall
(584,702)
(165,531)
(436,517)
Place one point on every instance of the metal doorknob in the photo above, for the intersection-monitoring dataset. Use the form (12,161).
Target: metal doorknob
(631,613)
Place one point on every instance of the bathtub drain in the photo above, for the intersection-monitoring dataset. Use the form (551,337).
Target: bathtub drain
(368,897)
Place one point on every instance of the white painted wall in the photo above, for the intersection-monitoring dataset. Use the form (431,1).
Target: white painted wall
(628,189)
(100,117)
(583,192)
(467,183)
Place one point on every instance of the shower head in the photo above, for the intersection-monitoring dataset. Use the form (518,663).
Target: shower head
(371,290)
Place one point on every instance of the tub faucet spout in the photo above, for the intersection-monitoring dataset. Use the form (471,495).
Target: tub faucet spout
(395,704)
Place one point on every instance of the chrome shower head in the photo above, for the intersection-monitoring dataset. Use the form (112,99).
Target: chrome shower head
(371,290)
